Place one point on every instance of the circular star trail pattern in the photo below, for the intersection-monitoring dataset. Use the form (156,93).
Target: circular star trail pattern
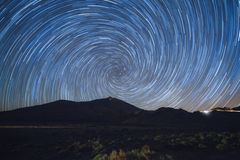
(153,53)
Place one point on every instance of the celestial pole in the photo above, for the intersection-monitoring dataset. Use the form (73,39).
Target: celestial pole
(150,53)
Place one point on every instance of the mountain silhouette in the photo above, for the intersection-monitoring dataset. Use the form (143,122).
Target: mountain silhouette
(112,111)
(109,110)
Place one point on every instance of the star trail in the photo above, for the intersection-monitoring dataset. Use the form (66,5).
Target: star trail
(153,53)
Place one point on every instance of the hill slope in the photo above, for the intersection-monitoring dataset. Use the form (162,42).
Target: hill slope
(111,111)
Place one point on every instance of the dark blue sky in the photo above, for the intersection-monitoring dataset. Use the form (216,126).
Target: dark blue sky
(153,53)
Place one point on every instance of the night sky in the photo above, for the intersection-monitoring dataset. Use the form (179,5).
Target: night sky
(153,53)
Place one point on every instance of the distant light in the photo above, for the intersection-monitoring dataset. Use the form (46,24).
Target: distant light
(206,112)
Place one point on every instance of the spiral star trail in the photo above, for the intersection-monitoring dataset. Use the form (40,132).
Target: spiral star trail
(152,54)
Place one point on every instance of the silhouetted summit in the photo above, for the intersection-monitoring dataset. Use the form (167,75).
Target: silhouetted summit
(112,111)
(109,110)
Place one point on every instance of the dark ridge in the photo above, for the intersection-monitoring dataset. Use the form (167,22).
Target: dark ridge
(109,110)
(226,109)
(112,111)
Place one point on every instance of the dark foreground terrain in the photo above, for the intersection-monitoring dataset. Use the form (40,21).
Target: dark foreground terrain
(116,143)
(111,129)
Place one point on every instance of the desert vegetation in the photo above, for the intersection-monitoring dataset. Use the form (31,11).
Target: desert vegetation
(117,144)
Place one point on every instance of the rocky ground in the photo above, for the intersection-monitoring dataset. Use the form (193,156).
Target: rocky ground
(117,143)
